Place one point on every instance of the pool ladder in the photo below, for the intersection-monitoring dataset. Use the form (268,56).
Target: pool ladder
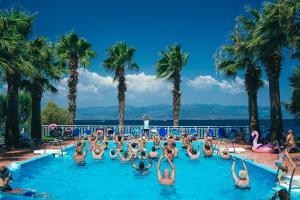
(59,143)
(291,178)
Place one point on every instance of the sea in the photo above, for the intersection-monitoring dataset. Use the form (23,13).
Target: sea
(287,123)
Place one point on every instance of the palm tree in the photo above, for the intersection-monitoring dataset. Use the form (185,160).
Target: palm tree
(119,58)
(169,66)
(14,62)
(74,51)
(237,57)
(46,69)
(271,35)
(294,105)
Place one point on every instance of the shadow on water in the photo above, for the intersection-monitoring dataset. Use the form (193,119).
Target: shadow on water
(168,192)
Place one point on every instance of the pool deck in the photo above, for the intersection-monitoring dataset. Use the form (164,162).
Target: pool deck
(265,159)
(268,160)
(8,157)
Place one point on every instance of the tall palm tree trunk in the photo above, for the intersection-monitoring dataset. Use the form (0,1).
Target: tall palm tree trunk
(72,83)
(121,98)
(273,72)
(12,132)
(176,99)
(253,111)
(36,123)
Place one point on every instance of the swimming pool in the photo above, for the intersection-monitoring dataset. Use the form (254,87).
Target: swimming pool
(206,178)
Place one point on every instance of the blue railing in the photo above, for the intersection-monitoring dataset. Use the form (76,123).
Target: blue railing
(200,131)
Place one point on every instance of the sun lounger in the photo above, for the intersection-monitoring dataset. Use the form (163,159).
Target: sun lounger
(162,132)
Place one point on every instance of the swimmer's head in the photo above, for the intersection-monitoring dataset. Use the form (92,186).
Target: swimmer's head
(174,144)
(143,153)
(97,151)
(113,152)
(141,165)
(207,147)
(166,173)
(225,152)
(119,138)
(133,145)
(153,148)
(126,154)
(194,152)
(243,175)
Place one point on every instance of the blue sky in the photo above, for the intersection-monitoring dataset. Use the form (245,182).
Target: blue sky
(149,26)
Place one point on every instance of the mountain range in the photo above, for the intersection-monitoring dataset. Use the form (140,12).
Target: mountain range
(164,112)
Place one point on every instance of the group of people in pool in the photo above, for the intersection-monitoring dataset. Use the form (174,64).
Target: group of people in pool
(134,150)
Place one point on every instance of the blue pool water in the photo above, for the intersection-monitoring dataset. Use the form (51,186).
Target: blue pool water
(206,178)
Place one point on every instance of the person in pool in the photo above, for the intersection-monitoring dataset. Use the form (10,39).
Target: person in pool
(207,137)
(282,166)
(166,178)
(153,154)
(243,181)
(208,152)
(192,153)
(141,167)
(156,141)
(98,152)
(92,140)
(80,152)
(282,194)
(6,178)
(125,157)
(224,153)
(114,153)
(119,139)
(143,142)
(142,155)
(175,150)
(185,141)
(133,149)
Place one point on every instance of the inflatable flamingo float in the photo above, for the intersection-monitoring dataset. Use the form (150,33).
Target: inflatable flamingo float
(261,148)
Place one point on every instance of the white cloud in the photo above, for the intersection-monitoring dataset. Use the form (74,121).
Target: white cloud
(95,89)
(208,82)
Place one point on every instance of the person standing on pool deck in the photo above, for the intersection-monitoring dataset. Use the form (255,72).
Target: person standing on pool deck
(146,124)
(166,178)
(243,182)
(79,156)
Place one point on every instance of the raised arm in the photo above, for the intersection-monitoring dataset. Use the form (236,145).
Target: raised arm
(150,163)
(245,168)
(235,178)
(173,170)
(133,164)
(85,150)
(158,169)
(199,152)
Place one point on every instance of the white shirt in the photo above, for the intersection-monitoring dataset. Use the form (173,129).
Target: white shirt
(146,124)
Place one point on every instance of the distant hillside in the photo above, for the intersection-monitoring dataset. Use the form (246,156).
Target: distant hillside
(194,111)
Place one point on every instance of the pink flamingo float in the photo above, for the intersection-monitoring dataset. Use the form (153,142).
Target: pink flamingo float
(261,148)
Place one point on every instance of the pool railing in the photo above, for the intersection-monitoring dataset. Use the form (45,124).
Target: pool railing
(230,131)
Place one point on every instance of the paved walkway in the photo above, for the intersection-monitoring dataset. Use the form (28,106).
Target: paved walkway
(8,157)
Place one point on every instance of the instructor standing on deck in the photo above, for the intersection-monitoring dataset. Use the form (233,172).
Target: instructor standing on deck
(146,119)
